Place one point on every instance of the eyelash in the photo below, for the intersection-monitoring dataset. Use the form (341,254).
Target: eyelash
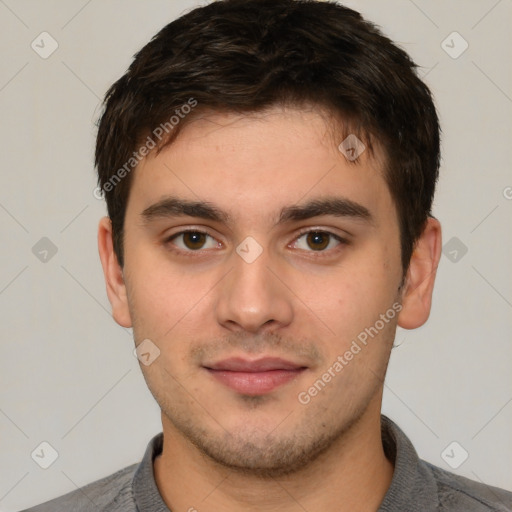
(199,252)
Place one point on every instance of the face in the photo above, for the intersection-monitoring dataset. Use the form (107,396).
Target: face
(265,268)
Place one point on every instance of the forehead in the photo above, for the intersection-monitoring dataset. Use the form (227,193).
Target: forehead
(259,162)
(311,126)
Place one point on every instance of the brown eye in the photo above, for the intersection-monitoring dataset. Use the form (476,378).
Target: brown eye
(318,240)
(194,240)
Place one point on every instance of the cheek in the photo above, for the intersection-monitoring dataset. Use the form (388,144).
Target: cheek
(157,295)
(355,299)
(168,303)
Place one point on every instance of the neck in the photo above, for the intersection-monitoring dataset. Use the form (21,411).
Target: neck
(353,474)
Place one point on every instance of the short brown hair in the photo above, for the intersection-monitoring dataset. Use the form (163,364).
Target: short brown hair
(248,55)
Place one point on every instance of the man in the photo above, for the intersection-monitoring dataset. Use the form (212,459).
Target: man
(269,168)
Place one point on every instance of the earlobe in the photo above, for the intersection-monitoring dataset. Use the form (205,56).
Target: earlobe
(113,273)
(419,282)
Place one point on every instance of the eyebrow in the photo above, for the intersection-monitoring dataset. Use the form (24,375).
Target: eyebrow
(335,206)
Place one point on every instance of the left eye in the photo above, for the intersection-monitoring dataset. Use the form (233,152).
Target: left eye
(317,241)
(193,240)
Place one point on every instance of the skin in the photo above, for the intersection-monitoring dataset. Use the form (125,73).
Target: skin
(224,450)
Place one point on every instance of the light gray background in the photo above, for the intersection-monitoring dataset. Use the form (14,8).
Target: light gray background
(68,374)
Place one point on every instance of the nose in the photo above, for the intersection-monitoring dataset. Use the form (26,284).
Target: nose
(252,298)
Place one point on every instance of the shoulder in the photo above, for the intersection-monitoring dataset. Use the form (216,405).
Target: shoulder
(456,492)
(112,493)
(421,486)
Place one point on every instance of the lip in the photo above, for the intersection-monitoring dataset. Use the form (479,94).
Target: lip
(239,364)
(255,377)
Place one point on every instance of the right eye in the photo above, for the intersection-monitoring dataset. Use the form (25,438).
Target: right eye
(192,240)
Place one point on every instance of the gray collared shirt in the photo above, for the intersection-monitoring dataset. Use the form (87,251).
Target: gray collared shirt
(417,486)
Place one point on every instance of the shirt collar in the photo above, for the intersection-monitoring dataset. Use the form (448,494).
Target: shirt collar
(145,492)
(413,486)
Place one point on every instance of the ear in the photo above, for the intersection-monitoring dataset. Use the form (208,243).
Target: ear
(116,288)
(421,274)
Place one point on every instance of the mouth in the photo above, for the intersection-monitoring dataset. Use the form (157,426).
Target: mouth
(256,377)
